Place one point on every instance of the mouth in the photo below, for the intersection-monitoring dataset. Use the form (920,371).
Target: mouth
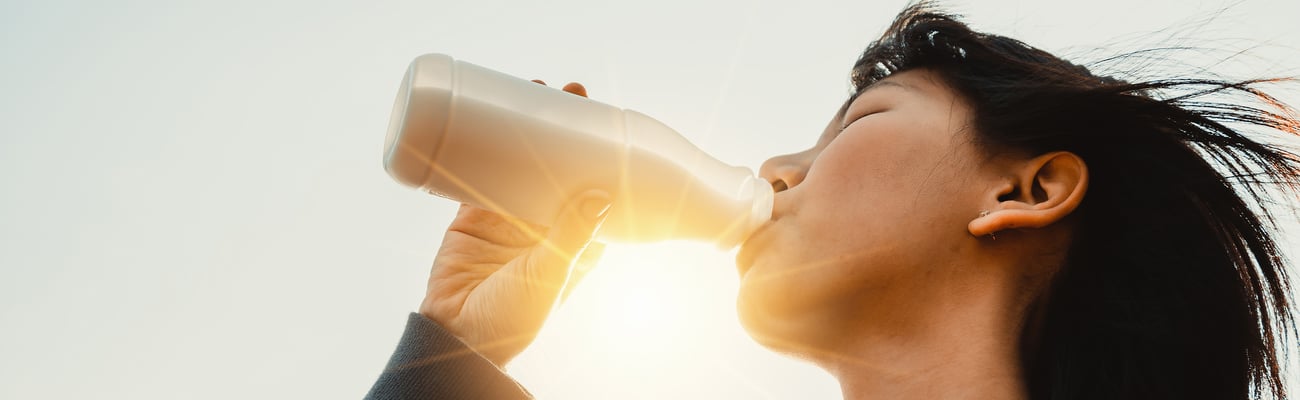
(749,249)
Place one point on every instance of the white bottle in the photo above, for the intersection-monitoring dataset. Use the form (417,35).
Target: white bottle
(513,146)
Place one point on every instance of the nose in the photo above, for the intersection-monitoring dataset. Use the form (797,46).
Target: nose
(786,171)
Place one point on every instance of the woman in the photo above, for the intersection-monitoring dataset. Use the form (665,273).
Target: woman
(979,220)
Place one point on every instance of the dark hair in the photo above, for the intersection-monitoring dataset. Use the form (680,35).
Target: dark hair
(1174,286)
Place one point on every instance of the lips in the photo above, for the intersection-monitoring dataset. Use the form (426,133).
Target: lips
(750,248)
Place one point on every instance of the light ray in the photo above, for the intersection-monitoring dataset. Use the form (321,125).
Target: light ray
(712,123)
(489,204)
(682,192)
(810,265)
(524,281)
(625,188)
(537,159)
(730,74)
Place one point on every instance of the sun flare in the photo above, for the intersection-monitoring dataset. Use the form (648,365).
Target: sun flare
(654,301)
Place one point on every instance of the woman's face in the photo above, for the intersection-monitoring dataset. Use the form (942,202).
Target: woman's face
(872,221)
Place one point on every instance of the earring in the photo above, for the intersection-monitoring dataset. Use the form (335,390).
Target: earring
(992,235)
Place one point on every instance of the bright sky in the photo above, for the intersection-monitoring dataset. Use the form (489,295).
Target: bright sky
(194,206)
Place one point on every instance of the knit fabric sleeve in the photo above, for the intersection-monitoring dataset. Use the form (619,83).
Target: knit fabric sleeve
(431,363)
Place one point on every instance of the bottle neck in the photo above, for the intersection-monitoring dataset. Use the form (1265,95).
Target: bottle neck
(761,198)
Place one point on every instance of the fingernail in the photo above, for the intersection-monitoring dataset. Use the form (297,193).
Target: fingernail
(594,207)
(576,88)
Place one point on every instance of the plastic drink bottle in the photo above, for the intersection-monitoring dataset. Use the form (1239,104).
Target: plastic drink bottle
(522,149)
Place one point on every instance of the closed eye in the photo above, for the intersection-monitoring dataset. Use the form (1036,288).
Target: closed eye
(856,119)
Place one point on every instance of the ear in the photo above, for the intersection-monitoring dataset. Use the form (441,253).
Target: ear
(1036,193)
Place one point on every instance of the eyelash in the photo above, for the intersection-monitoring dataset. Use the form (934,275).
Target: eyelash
(846,125)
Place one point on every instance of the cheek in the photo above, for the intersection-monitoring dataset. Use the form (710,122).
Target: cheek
(853,191)
(885,176)
(872,164)
(868,214)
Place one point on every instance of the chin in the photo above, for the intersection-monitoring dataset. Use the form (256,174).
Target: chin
(769,326)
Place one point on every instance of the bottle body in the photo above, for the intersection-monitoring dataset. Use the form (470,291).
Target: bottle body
(499,142)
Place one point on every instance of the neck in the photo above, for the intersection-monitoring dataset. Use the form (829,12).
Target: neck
(964,346)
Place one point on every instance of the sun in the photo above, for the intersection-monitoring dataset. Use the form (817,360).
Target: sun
(655,321)
(651,301)
(640,302)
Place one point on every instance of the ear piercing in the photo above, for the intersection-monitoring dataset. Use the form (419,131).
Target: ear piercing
(992,235)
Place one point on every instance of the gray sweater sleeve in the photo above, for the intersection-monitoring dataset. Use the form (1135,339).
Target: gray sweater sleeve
(431,363)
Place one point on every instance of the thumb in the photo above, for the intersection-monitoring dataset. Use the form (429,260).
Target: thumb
(582,266)
(549,263)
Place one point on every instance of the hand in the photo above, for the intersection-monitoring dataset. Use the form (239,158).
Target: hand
(495,278)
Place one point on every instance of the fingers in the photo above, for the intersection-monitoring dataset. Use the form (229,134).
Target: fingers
(572,87)
(547,265)
(496,228)
(585,263)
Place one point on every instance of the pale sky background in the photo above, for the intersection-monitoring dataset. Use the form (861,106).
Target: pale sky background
(194,205)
